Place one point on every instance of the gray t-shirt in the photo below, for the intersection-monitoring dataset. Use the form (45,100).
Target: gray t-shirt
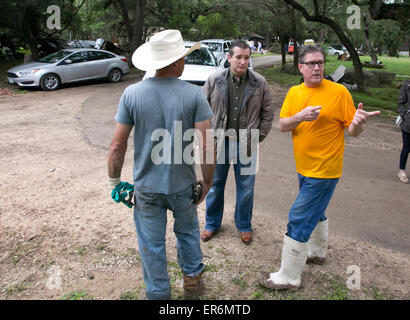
(161,111)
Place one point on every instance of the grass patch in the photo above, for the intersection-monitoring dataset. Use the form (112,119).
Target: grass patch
(391,64)
(76,295)
(377,294)
(282,77)
(131,295)
(258,295)
(257,55)
(81,250)
(239,281)
(332,288)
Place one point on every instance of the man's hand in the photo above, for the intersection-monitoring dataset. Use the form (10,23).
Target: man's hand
(360,117)
(205,190)
(309,114)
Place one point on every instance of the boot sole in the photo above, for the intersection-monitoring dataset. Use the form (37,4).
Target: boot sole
(316,260)
(264,281)
(194,294)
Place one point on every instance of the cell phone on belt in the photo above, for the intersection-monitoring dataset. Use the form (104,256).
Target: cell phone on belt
(196,193)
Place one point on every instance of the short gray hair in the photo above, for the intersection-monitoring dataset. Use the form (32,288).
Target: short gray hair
(310,48)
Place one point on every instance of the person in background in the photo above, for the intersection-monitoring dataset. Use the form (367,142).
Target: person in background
(404,111)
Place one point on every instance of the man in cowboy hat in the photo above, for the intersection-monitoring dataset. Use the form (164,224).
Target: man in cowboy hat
(163,180)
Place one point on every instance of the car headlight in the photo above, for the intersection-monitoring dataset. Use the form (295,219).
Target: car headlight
(26,73)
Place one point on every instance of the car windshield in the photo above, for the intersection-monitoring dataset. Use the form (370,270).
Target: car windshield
(54,57)
(217,47)
(201,57)
(337,47)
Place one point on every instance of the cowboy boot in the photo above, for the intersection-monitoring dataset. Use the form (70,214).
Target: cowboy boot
(294,255)
(192,287)
(318,243)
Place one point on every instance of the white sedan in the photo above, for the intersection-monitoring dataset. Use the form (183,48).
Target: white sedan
(199,65)
(334,52)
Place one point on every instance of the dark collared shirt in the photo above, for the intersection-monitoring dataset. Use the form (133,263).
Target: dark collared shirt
(236,93)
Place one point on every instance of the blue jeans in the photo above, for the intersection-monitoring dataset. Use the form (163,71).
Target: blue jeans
(405,150)
(309,206)
(244,191)
(150,216)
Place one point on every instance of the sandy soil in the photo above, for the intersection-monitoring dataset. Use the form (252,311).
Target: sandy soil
(61,235)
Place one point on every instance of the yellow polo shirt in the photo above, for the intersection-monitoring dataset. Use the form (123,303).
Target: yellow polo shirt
(318,146)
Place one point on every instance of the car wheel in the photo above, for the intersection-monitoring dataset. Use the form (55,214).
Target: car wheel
(50,81)
(115,75)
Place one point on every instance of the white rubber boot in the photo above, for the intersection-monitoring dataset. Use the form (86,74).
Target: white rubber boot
(294,254)
(318,243)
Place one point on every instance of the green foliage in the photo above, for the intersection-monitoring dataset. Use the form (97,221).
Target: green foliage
(77,295)
(216,26)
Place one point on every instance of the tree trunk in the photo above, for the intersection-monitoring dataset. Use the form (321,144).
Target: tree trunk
(283,50)
(134,28)
(322,34)
(268,43)
(369,47)
(138,29)
(295,38)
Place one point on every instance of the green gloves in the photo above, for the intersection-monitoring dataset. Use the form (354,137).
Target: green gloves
(123,192)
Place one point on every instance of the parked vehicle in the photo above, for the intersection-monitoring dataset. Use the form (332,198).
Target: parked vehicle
(67,66)
(334,52)
(199,64)
(219,47)
(339,47)
(309,41)
(291,48)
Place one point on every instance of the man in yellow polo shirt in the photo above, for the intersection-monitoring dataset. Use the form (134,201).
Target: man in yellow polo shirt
(317,112)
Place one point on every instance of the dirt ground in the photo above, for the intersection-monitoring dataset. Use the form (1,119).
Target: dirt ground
(62,237)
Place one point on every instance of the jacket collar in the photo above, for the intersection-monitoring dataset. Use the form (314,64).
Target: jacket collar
(223,78)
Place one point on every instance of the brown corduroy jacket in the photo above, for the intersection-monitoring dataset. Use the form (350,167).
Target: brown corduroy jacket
(257,110)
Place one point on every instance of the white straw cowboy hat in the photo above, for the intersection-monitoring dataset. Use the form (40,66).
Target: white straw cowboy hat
(163,48)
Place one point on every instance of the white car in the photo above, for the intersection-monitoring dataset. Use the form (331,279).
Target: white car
(219,47)
(199,64)
(334,52)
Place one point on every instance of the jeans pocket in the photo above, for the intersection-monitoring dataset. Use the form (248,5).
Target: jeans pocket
(149,197)
(146,203)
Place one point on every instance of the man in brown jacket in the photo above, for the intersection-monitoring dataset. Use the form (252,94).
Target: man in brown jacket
(243,115)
